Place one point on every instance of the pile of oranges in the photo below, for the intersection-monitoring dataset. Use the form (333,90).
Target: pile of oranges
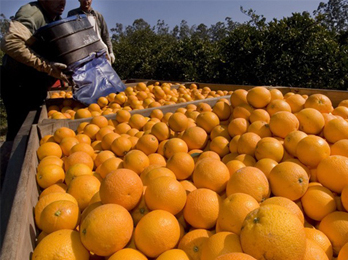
(140,96)
(261,175)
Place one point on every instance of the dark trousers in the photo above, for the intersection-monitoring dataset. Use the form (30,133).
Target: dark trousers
(22,89)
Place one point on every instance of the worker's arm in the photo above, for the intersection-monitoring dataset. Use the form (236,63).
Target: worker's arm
(14,44)
(104,34)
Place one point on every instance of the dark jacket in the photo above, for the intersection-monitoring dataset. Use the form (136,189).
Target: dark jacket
(103,28)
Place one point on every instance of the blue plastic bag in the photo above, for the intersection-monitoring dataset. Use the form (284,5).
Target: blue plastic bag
(94,77)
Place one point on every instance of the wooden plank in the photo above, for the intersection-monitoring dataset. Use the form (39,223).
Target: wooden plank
(19,236)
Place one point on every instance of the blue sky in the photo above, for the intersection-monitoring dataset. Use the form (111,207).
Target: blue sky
(194,12)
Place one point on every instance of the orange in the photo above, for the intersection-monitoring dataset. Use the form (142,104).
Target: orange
(233,211)
(289,180)
(319,102)
(212,174)
(202,208)
(340,148)
(207,120)
(314,251)
(188,185)
(60,214)
(98,229)
(234,144)
(219,244)
(296,102)
(247,143)
(220,130)
(259,115)
(192,242)
(265,165)
(258,97)
(102,157)
(287,203)
(321,239)
(81,126)
(341,111)
(62,132)
(46,138)
(229,157)
(182,164)
(335,130)
(122,128)
(157,232)
(165,193)
(82,138)
(269,147)
(155,171)
(242,111)
(311,149)
(239,97)
(107,140)
(49,175)
(286,229)
(318,202)
(136,161)
(337,166)
(282,123)
(121,146)
(76,170)
(291,140)
(344,197)
(82,113)
(247,159)
(156,113)
(58,187)
(276,93)
(82,147)
(311,121)
(82,188)
(140,209)
(78,157)
(335,227)
(277,105)
(195,137)
(122,116)
(260,128)
(234,165)
(220,145)
(238,126)
(91,131)
(156,158)
(161,131)
(209,154)
(67,143)
(178,122)
(46,200)
(137,121)
(343,254)
(249,180)
(108,166)
(123,187)
(202,107)
(48,149)
(235,256)
(173,254)
(62,244)
(148,144)
(222,110)
(173,146)
(100,121)
(94,107)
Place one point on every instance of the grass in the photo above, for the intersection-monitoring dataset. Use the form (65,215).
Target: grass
(3,123)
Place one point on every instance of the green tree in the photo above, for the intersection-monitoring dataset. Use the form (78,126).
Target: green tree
(333,14)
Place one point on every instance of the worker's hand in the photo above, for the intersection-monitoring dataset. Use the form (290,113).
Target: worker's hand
(112,58)
(57,71)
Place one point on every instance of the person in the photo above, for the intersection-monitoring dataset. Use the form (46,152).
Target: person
(25,76)
(97,21)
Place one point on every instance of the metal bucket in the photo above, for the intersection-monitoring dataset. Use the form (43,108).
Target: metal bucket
(67,40)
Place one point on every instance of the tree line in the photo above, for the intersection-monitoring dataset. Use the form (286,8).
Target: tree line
(303,50)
